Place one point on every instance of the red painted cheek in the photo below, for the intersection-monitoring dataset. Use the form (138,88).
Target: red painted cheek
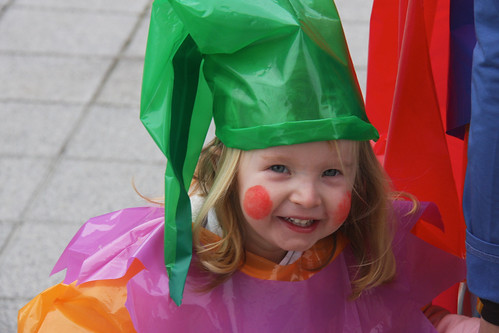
(257,203)
(344,207)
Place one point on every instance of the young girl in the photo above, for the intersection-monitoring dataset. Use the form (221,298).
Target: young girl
(295,230)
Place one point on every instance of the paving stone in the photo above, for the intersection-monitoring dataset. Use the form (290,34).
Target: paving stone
(66,32)
(31,129)
(114,133)
(5,229)
(8,314)
(19,178)
(134,6)
(211,133)
(50,78)
(358,42)
(355,10)
(137,46)
(30,258)
(362,77)
(81,189)
(124,84)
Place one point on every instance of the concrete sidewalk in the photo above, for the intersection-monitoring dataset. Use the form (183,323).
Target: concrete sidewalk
(70,137)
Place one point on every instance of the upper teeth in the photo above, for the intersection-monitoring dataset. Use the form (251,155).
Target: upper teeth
(299,222)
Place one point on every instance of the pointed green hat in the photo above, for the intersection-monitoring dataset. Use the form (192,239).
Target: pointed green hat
(269,72)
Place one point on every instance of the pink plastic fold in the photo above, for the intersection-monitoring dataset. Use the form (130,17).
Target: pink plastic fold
(106,245)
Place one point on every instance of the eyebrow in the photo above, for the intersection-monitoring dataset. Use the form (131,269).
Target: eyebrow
(268,156)
(347,162)
(283,158)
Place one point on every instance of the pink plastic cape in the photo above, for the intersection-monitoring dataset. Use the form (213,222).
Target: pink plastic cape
(105,247)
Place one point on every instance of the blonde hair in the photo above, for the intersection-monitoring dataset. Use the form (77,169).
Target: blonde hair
(368,225)
(215,178)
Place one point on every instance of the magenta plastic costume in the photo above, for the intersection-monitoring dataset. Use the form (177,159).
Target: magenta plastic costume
(105,247)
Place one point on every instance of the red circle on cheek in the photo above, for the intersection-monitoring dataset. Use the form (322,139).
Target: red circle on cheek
(257,203)
(344,207)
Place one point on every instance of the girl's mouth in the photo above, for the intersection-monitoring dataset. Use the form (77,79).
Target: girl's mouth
(299,222)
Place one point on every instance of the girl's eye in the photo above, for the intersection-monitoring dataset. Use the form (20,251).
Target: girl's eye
(279,168)
(331,173)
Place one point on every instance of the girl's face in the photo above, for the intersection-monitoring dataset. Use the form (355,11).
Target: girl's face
(293,196)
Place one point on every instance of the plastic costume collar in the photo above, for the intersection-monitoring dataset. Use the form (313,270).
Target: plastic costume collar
(269,72)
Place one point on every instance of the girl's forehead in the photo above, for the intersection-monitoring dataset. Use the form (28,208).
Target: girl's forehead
(344,149)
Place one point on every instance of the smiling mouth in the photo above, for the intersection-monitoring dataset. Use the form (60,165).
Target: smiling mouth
(299,222)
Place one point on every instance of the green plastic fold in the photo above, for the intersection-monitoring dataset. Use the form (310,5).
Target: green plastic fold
(168,106)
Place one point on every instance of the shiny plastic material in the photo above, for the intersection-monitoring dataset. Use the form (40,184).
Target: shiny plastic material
(274,68)
(271,73)
(108,245)
(96,306)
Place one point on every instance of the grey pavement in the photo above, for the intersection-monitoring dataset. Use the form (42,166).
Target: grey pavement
(70,137)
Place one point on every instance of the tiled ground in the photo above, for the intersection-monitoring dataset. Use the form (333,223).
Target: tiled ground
(70,139)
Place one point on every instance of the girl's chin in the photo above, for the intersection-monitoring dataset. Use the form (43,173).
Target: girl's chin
(297,244)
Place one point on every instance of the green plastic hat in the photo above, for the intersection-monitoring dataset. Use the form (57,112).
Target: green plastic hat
(270,73)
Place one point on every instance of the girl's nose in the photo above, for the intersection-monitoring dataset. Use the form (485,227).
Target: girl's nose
(305,194)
